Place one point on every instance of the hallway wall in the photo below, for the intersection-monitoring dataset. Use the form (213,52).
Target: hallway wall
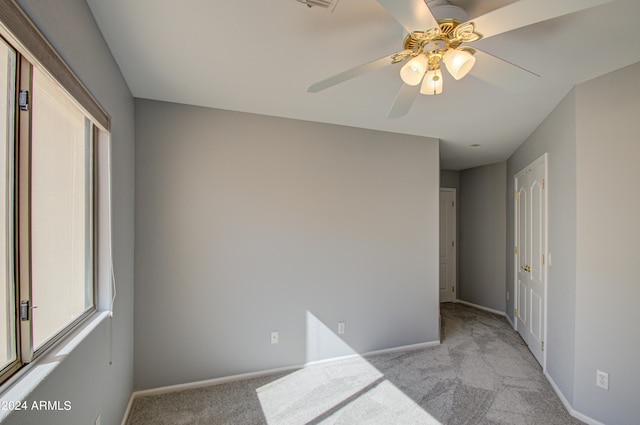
(482,229)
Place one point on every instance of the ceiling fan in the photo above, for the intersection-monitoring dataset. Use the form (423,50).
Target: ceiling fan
(439,33)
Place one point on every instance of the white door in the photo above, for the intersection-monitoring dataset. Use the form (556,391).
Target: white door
(530,252)
(447,245)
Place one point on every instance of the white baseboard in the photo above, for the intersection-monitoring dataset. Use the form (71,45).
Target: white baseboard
(563,399)
(501,313)
(127,410)
(243,376)
(214,381)
(578,415)
(490,310)
(367,354)
(513,325)
(402,348)
(584,418)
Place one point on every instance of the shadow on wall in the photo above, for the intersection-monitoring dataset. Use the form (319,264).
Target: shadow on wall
(349,388)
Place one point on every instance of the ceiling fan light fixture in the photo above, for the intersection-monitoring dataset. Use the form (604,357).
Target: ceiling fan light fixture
(432,83)
(458,62)
(413,71)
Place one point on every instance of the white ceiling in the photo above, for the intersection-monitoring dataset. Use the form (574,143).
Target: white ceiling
(259,56)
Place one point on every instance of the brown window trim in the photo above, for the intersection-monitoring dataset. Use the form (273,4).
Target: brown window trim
(26,35)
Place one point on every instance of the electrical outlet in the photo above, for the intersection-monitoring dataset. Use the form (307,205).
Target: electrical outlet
(274,337)
(602,379)
(341,328)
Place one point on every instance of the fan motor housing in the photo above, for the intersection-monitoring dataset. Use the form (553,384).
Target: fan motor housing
(448,11)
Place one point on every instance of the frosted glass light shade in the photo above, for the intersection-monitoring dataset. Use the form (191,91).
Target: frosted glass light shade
(432,83)
(412,72)
(458,62)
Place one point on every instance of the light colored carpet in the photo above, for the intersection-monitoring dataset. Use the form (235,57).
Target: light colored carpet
(482,373)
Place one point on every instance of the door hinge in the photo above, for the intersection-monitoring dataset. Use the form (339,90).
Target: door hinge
(453,289)
(453,203)
(542,346)
(23,100)
(543,260)
(516,250)
(453,243)
(24,310)
(516,195)
(515,312)
(543,183)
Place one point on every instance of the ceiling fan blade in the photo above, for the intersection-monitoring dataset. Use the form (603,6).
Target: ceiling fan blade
(527,12)
(413,15)
(351,73)
(404,100)
(502,74)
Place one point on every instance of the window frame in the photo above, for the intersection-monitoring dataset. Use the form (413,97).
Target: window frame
(18,30)
(13,366)
(33,50)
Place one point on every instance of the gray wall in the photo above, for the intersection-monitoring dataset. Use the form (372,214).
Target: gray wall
(450,178)
(247,224)
(557,136)
(593,146)
(84,377)
(608,231)
(482,240)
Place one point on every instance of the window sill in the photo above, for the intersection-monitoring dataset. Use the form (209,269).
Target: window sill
(24,382)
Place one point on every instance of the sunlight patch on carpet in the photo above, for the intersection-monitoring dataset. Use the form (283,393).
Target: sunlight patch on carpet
(347,390)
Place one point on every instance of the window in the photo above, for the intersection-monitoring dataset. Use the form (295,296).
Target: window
(48,133)
(7,288)
(61,235)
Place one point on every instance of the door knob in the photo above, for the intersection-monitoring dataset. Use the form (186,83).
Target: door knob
(527,269)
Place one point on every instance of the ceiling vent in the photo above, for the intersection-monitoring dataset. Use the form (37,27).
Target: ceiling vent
(326,4)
